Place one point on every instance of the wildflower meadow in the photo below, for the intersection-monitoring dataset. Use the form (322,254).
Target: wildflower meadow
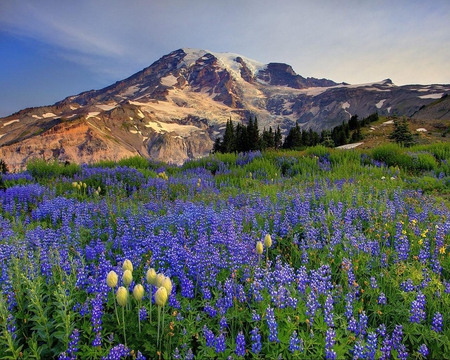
(318,254)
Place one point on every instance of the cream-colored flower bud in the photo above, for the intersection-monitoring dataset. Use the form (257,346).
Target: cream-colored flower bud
(138,292)
(167,283)
(268,241)
(259,247)
(122,296)
(151,276)
(84,185)
(127,265)
(74,184)
(161,296)
(112,279)
(127,277)
(99,189)
(159,280)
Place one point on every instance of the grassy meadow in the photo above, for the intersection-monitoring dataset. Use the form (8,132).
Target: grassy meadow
(314,254)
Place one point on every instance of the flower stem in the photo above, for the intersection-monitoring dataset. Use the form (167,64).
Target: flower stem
(123,321)
(115,307)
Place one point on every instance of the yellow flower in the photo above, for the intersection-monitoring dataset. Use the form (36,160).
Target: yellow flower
(111,279)
(259,247)
(267,241)
(442,250)
(151,276)
(122,296)
(167,283)
(161,296)
(127,265)
(127,277)
(420,241)
(138,292)
(159,279)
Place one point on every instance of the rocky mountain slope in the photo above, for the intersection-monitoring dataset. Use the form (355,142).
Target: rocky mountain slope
(175,108)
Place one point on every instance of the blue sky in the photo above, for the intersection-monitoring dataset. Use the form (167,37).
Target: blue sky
(53,49)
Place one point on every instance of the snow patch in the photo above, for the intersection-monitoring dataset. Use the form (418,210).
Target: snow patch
(36,117)
(431,96)
(182,130)
(106,107)
(92,114)
(389,109)
(169,80)
(10,122)
(345,105)
(48,115)
(380,103)
(421,130)
(130,91)
(389,122)
(1,135)
(349,146)
(140,114)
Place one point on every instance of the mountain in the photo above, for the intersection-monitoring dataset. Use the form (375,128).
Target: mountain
(174,109)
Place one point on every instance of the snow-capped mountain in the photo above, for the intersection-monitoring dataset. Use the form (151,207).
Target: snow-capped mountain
(175,108)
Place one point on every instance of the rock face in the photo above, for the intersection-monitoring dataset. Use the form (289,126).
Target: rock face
(174,109)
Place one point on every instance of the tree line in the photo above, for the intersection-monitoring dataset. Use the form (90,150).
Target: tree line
(243,138)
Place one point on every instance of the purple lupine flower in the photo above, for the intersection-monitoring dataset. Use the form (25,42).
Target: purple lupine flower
(402,352)
(397,336)
(362,326)
(256,340)
(143,313)
(117,353)
(371,345)
(423,350)
(437,322)
(295,344)
(373,282)
(328,309)
(381,330)
(255,316)
(220,344)
(73,344)
(209,336)
(418,309)
(386,346)
(382,299)
(240,344)
(272,324)
(330,340)
(96,319)
(223,323)
(358,350)
(176,354)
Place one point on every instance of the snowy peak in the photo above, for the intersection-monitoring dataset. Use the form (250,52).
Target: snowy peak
(174,109)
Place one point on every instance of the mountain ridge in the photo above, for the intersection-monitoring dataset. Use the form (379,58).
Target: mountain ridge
(174,109)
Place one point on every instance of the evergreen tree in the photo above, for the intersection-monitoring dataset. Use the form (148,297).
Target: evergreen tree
(229,138)
(253,134)
(401,133)
(278,138)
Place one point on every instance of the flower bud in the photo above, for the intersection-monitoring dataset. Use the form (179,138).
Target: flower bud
(127,277)
(259,247)
(111,279)
(138,292)
(161,296)
(151,276)
(159,280)
(167,283)
(122,296)
(127,265)
(267,241)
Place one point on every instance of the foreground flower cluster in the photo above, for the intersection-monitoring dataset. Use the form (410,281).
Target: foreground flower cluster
(215,260)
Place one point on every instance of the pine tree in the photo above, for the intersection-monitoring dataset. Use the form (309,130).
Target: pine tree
(401,134)
(278,138)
